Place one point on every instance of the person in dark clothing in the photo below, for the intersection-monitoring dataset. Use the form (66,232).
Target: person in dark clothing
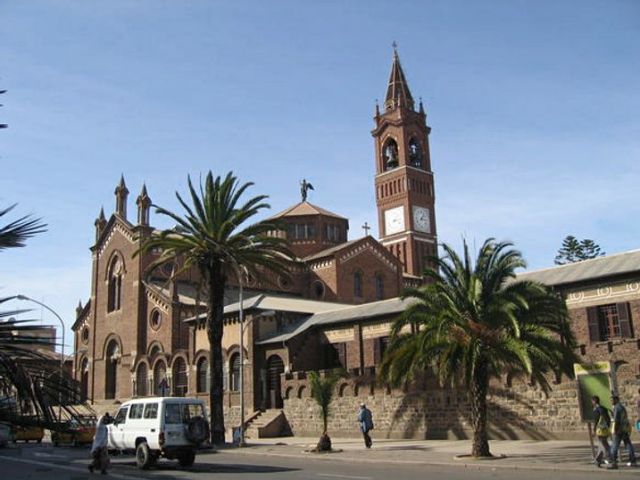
(602,422)
(638,412)
(365,420)
(621,429)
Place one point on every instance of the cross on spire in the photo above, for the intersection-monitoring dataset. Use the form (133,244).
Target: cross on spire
(366,229)
(398,94)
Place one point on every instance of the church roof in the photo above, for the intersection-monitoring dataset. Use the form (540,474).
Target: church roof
(398,94)
(305,208)
(330,251)
(611,265)
(283,303)
(345,313)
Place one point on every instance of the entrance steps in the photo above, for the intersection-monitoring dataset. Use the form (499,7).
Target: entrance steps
(268,424)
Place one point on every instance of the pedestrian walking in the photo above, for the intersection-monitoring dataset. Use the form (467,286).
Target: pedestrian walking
(99,448)
(365,419)
(621,428)
(602,422)
(638,412)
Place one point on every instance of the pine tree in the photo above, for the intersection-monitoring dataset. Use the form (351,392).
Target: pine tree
(590,249)
(569,252)
(573,250)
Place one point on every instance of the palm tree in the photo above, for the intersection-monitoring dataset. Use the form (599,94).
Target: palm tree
(30,382)
(322,389)
(14,234)
(476,321)
(212,236)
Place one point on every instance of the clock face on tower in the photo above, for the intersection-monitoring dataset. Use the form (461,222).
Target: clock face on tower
(421,219)
(394,220)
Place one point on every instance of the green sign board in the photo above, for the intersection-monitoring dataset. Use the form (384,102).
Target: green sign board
(594,379)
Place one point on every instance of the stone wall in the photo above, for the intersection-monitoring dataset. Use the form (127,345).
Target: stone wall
(515,412)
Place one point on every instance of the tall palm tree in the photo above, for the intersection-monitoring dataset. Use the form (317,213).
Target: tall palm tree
(212,235)
(474,321)
(322,390)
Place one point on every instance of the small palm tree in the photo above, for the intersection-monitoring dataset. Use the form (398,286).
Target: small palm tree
(322,390)
(476,321)
(212,236)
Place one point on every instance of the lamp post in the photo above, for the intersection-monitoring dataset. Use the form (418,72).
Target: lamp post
(242,442)
(29,299)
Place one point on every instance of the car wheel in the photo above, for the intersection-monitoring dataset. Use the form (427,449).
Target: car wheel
(143,456)
(186,459)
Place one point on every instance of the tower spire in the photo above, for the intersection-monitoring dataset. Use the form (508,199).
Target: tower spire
(398,94)
(121,198)
(144,203)
(100,223)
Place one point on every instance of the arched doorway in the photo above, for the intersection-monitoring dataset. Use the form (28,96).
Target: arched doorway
(111,369)
(180,384)
(142,381)
(275,367)
(84,379)
(160,384)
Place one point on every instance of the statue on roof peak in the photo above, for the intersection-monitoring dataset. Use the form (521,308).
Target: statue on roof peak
(304,189)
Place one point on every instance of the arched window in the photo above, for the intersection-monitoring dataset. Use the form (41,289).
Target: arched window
(379,287)
(154,350)
(202,377)
(84,379)
(114,294)
(415,153)
(390,154)
(357,284)
(142,381)
(180,384)
(318,289)
(234,372)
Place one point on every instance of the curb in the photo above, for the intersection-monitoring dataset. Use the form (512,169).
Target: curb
(455,463)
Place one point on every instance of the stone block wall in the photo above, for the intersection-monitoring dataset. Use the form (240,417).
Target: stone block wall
(430,412)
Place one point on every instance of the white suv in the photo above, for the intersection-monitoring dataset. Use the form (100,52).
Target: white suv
(171,427)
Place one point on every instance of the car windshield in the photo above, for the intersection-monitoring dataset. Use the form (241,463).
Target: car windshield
(175,413)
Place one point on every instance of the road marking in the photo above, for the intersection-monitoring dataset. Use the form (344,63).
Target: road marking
(64,467)
(48,455)
(332,475)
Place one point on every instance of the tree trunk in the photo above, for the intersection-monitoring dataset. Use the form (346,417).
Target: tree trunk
(215,310)
(479,387)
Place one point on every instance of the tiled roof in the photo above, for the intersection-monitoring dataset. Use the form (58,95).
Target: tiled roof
(305,208)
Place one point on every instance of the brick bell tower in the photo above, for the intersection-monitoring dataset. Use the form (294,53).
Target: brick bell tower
(404,180)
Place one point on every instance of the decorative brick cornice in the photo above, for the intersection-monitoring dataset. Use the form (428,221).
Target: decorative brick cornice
(116,227)
(607,293)
(158,300)
(325,263)
(359,248)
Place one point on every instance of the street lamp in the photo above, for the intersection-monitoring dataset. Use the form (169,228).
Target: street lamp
(25,298)
(242,442)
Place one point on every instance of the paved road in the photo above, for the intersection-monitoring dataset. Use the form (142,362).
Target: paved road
(43,462)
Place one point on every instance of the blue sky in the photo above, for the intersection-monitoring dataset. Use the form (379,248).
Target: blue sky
(533,104)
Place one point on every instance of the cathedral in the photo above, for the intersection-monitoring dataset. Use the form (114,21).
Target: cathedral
(142,332)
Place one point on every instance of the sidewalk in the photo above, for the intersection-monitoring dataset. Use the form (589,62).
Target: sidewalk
(553,455)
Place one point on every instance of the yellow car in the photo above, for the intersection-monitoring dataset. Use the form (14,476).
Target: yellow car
(26,434)
(76,432)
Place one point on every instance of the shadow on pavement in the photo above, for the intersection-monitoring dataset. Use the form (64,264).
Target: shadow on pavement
(212,468)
